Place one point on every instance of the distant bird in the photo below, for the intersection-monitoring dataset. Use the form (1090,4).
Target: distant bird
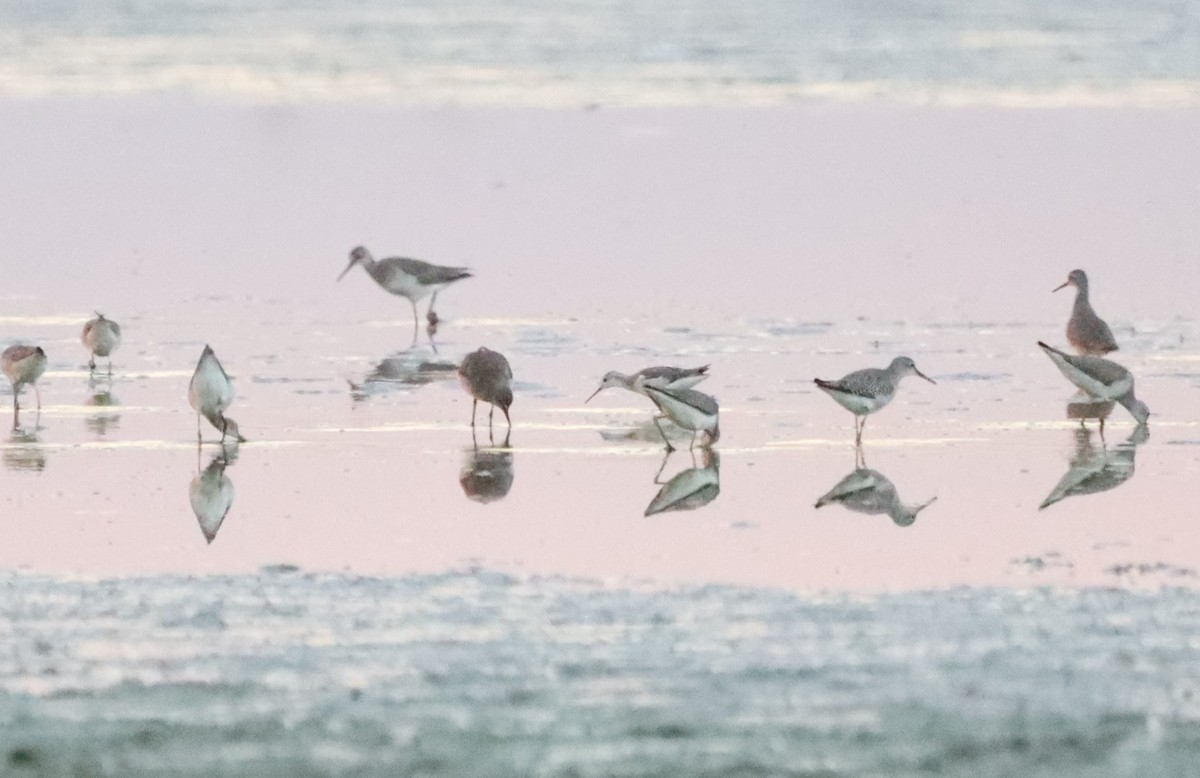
(870,491)
(210,393)
(662,377)
(409,278)
(689,409)
(487,376)
(23,365)
(1086,331)
(101,336)
(864,392)
(1101,378)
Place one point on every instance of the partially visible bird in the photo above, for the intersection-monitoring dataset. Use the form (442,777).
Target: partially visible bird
(692,410)
(864,392)
(1101,378)
(23,365)
(210,394)
(487,376)
(101,336)
(1086,331)
(409,278)
(662,377)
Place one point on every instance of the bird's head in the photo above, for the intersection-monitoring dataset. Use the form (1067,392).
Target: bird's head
(359,256)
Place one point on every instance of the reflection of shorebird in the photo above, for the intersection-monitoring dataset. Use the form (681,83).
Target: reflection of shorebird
(673,378)
(870,491)
(24,451)
(104,401)
(1101,378)
(864,392)
(689,409)
(210,393)
(1086,331)
(407,368)
(487,376)
(411,279)
(487,473)
(211,493)
(688,489)
(101,336)
(23,365)
(1097,469)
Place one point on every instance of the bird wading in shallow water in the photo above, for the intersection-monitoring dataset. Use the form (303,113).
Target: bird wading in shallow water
(210,393)
(411,279)
(1101,378)
(1086,332)
(662,377)
(23,365)
(692,410)
(864,392)
(487,376)
(101,336)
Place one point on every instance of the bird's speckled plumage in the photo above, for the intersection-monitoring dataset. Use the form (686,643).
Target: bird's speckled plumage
(864,392)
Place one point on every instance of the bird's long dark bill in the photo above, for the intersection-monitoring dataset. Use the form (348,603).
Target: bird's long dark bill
(344,272)
(927,378)
(1064,285)
(593,394)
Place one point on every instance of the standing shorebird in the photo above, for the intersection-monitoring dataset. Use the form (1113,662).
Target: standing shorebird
(409,278)
(1086,331)
(487,376)
(692,410)
(23,365)
(1101,378)
(210,393)
(101,336)
(672,378)
(864,392)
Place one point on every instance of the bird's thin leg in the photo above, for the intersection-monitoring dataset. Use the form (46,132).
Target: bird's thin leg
(491,413)
(663,466)
(692,445)
(110,366)
(670,448)
(92,362)
(224,429)
(199,437)
(1103,442)
(38,393)
(416,322)
(860,458)
(474,405)
(430,316)
(508,419)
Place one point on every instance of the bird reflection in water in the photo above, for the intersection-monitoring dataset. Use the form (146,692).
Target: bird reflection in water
(405,369)
(871,492)
(211,491)
(487,473)
(1088,409)
(688,489)
(104,402)
(1097,469)
(24,451)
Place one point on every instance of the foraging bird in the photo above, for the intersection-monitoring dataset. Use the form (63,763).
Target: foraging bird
(409,278)
(23,365)
(1086,331)
(210,393)
(101,336)
(864,392)
(871,492)
(486,375)
(1101,378)
(689,409)
(662,377)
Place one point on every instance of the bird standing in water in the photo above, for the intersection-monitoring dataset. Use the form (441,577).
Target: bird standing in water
(210,393)
(864,392)
(101,336)
(661,377)
(23,365)
(691,410)
(1101,378)
(410,278)
(1086,331)
(487,376)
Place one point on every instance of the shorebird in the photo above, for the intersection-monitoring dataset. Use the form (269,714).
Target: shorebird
(409,278)
(864,392)
(101,336)
(23,365)
(673,378)
(486,375)
(1101,378)
(1086,331)
(210,393)
(689,409)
